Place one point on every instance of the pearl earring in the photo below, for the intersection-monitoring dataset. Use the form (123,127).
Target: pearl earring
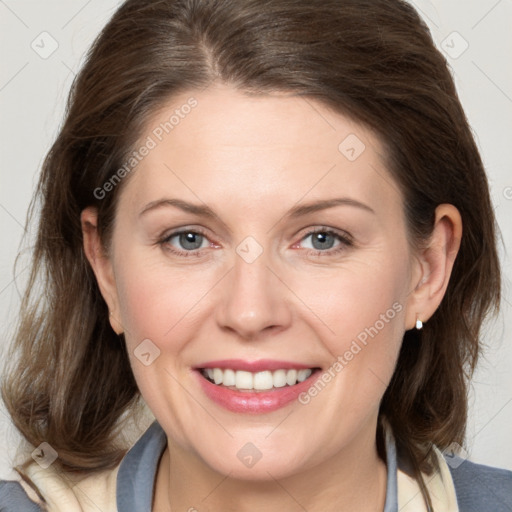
(419,324)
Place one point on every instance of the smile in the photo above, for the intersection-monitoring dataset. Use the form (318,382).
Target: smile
(256,381)
(255,387)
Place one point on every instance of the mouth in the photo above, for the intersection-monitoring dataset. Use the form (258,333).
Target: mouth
(254,387)
(266,380)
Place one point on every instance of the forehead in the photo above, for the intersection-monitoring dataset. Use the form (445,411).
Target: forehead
(221,142)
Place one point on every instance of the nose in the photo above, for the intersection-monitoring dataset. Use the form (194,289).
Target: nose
(254,300)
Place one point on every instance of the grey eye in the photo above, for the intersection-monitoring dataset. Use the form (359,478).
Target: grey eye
(322,240)
(187,240)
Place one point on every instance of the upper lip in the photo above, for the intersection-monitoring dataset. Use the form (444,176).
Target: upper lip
(254,366)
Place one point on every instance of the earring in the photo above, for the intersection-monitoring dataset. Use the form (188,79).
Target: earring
(419,324)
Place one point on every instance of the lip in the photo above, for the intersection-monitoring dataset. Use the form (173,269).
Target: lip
(259,365)
(254,402)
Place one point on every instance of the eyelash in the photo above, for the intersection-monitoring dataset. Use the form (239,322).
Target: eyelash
(164,242)
(345,239)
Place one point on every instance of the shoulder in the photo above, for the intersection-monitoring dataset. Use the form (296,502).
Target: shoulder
(480,487)
(13,498)
(59,491)
(128,486)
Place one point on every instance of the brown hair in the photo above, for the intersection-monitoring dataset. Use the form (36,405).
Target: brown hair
(373,60)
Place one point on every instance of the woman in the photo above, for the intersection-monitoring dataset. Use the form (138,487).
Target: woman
(250,212)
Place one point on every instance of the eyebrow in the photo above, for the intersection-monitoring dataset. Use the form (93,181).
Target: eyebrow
(297,211)
(196,209)
(315,206)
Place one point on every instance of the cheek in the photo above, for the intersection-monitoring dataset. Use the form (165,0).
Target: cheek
(156,301)
(361,296)
(360,315)
(159,309)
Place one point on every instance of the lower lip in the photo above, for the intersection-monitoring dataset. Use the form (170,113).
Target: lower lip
(255,402)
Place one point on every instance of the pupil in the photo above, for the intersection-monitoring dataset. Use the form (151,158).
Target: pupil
(323,241)
(190,240)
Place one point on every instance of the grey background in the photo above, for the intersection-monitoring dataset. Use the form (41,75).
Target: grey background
(33,91)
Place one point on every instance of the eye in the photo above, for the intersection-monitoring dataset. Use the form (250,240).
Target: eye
(325,241)
(185,241)
(322,240)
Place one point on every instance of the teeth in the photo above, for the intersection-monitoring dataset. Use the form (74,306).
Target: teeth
(229,378)
(279,378)
(302,375)
(259,381)
(218,376)
(243,380)
(291,377)
(262,380)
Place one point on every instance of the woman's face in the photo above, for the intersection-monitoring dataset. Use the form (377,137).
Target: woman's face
(261,235)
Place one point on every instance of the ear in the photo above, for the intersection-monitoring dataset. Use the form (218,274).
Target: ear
(433,266)
(101,265)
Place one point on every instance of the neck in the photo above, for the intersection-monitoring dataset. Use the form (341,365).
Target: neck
(352,479)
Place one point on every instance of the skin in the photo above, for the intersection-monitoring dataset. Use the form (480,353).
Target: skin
(251,159)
